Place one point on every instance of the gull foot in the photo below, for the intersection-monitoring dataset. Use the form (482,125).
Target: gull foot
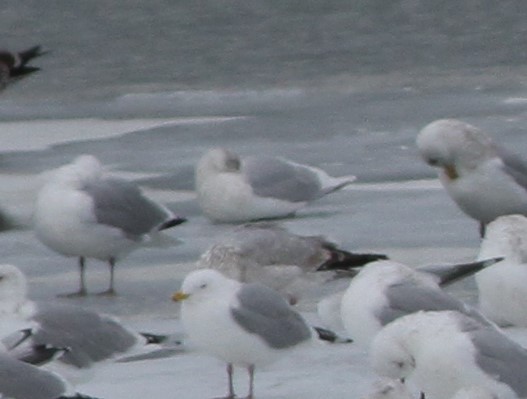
(109,292)
(77,294)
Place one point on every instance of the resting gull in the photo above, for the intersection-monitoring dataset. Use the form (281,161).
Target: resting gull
(444,352)
(233,190)
(268,253)
(481,178)
(386,290)
(82,212)
(501,288)
(89,336)
(245,325)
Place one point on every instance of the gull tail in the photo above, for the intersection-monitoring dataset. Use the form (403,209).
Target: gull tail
(154,338)
(331,336)
(14,340)
(344,260)
(172,222)
(39,355)
(336,183)
(448,274)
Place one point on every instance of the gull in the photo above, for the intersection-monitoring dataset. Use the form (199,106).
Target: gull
(245,325)
(20,380)
(501,288)
(83,212)
(386,290)
(268,253)
(445,352)
(89,336)
(481,178)
(233,190)
(14,65)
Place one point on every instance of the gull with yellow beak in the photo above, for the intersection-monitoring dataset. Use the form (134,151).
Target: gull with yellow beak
(481,178)
(245,325)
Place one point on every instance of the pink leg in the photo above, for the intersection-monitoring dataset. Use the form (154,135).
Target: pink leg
(250,370)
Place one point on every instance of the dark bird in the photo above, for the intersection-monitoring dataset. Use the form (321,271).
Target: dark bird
(14,65)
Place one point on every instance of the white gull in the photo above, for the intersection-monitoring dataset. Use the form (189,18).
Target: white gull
(502,290)
(231,189)
(246,325)
(83,212)
(443,352)
(481,178)
(90,337)
(386,290)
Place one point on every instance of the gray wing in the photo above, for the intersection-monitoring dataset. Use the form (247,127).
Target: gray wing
(407,298)
(277,178)
(20,380)
(270,244)
(500,357)
(121,204)
(265,313)
(91,337)
(514,166)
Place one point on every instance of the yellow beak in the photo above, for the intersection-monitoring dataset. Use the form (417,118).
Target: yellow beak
(179,296)
(451,172)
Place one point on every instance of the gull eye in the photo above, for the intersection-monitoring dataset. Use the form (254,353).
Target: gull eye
(432,161)
(204,285)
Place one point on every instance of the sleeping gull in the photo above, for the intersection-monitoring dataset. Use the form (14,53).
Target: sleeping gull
(268,253)
(232,190)
(14,65)
(501,288)
(444,352)
(481,178)
(82,212)
(245,325)
(386,290)
(89,336)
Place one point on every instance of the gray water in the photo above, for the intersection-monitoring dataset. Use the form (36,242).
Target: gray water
(343,85)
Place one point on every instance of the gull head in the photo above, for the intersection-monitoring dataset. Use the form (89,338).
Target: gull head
(454,146)
(83,169)
(217,160)
(390,357)
(204,284)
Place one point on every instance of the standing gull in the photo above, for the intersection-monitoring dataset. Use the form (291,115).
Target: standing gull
(502,289)
(481,178)
(14,65)
(444,352)
(245,325)
(385,290)
(83,212)
(232,190)
(268,253)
